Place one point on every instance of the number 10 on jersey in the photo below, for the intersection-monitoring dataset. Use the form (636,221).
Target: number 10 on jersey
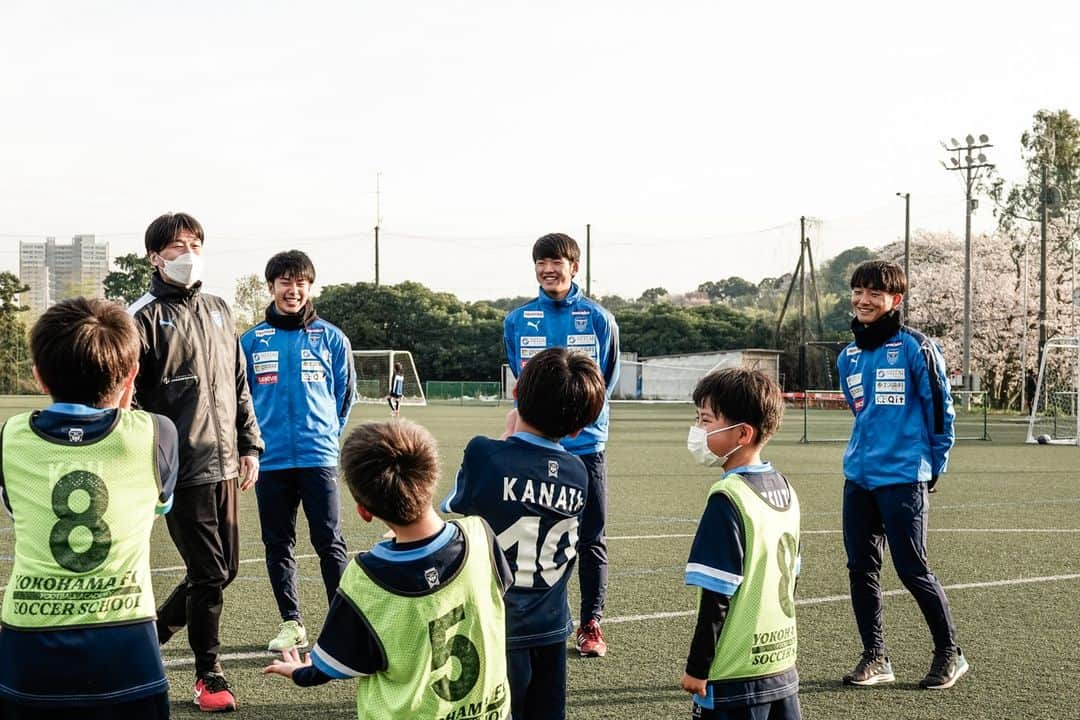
(536,554)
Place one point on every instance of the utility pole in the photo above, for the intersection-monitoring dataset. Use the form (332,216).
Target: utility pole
(806,257)
(969,164)
(378,222)
(906,306)
(1043,207)
(588,259)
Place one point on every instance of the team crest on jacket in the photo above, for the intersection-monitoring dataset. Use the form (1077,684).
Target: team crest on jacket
(432,577)
(580,323)
(892,356)
(553,468)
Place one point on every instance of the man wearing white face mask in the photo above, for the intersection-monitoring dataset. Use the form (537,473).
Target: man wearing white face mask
(744,558)
(192,371)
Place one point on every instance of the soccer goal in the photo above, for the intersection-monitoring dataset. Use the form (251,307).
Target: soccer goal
(375,371)
(1054,418)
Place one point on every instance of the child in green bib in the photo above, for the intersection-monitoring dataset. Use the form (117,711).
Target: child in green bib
(744,558)
(419,618)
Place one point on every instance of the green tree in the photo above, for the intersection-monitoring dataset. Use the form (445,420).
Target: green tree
(728,289)
(1053,141)
(15,374)
(128,283)
(252,298)
(653,295)
(449,339)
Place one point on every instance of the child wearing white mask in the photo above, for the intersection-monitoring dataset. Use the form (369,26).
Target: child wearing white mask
(742,655)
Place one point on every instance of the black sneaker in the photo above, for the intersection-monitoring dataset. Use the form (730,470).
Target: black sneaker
(945,670)
(873,669)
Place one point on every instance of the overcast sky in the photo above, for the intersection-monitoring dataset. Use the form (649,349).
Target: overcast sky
(691,135)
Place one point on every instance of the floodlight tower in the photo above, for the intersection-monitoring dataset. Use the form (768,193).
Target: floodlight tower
(970,160)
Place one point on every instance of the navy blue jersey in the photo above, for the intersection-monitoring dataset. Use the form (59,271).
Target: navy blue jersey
(531,491)
(347,646)
(57,668)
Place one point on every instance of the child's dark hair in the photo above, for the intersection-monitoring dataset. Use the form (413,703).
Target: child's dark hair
(83,348)
(391,468)
(397,368)
(743,396)
(164,230)
(880,275)
(560,392)
(556,245)
(290,264)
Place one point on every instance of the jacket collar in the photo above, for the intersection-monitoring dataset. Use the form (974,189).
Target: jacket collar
(161,289)
(874,335)
(572,297)
(302,319)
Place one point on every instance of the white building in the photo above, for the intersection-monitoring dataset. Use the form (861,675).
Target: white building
(56,271)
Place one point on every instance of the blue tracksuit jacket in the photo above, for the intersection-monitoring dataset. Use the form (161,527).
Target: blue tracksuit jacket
(303,386)
(576,323)
(899,393)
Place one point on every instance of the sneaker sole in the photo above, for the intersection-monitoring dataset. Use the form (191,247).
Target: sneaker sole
(875,680)
(298,646)
(960,672)
(592,653)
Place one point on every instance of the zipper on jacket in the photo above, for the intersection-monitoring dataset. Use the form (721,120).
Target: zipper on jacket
(211,386)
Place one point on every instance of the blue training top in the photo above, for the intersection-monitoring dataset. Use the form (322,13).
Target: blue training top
(577,323)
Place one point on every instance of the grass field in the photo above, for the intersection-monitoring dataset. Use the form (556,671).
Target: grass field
(1004,540)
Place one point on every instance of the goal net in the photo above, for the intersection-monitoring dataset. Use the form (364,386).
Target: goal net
(375,371)
(1054,416)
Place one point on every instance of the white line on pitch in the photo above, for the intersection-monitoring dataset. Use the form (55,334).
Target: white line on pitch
(846,598)
(180,662)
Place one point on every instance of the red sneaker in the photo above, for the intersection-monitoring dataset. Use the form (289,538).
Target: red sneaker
(213,694)
(590,641)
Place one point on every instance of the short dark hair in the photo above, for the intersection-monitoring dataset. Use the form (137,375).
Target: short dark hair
(560,392)
(397,367)
(743,396)
(391,468)
(556,245)
(880,275)
(292,264)
(83,348)
(164,230)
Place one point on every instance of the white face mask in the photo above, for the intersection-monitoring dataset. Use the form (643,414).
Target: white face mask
(186,269)
(697,442)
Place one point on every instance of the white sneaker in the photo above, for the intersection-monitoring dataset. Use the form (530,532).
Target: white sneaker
(290,635)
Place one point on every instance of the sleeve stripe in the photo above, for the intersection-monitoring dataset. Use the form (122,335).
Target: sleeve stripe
(709,578)
(708,583)
(332,667)
(446,504)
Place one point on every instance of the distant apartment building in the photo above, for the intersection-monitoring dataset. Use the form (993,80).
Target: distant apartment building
(55,271)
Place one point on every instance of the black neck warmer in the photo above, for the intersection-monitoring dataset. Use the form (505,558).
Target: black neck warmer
(302,319)
(874,335)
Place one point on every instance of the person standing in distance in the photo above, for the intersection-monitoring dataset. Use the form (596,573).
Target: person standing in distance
(397,390)
(302,378)
(895,383)
(191,370)
(562,316)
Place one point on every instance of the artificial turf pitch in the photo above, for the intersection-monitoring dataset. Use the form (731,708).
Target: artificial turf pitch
(1004,540)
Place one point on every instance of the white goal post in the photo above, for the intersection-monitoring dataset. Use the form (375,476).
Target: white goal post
(375,371)
(1054,419)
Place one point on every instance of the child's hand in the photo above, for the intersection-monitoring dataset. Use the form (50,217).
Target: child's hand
(511,424)
(290,661)
(693,685)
